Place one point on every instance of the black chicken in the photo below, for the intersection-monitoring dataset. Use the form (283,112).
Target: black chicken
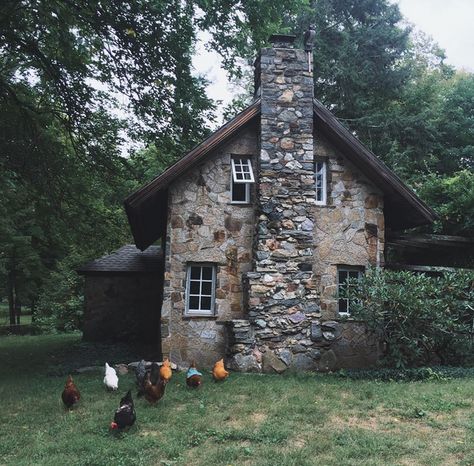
(140,373)
(125,415)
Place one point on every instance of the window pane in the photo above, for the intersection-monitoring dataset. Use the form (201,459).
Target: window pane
(354,274)
(205,303)
(342,305)
(196,273)
(207,273)
(194,287)
(194,303)
(206,288)
(239,192)
(242,170)
(342,277)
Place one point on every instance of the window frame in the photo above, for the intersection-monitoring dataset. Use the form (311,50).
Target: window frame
(242,172)
(200,312)
(324,184)
(347,269)
(246,183)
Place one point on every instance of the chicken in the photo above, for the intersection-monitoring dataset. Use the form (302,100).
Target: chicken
(165,370)
(140,374)
(219,373)
(70,393)
(154,387)
(125,415)
(110,379)
(193,376)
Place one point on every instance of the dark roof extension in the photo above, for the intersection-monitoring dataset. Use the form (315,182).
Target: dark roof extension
(128,259)
(147,207)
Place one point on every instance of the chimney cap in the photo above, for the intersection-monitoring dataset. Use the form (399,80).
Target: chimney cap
(282,40)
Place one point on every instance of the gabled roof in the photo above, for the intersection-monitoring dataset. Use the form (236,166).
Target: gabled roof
(127,259)
(403,208)
(147,207)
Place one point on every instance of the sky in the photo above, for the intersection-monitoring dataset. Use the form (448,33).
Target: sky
(449,22)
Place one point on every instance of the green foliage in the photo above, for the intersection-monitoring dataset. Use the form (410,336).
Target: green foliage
(61,300)
(419,319)
(453,199)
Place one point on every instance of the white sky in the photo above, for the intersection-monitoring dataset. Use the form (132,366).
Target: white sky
(449,22)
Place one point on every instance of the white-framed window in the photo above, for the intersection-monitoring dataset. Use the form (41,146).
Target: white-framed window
(242,178)
(343,274)
(242,170)
(200,289)
(320,176)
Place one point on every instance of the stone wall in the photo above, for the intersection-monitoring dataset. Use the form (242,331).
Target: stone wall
(203,226)
(122,307)
(308,334)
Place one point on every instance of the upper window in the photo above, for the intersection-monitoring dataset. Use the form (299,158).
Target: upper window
(242,170)
(343,274)
(242,177)
(321,183)
(200,289)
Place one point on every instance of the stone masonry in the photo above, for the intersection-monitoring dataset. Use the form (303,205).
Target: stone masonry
(293,320)
(277,258)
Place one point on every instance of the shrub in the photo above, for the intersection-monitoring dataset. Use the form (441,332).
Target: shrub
(61,302)
(419,319)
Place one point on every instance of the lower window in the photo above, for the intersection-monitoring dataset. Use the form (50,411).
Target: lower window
(343,274)
(200,289)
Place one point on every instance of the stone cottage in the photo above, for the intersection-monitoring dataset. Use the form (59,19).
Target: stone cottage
(263,223)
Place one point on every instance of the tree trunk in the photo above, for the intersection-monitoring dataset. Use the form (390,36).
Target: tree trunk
(11,297)
(33,310)
(18,310)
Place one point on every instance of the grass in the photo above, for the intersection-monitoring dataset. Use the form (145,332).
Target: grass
(248,420)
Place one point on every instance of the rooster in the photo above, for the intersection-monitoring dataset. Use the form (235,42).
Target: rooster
(219,373)
(193,376)
(110,379)
(165,370)
(154,386)
(70,393)
(125,415)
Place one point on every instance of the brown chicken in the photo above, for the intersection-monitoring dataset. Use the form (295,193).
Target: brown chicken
(165,370)
(70,393)
(219,373)
(193,376)
(154,387)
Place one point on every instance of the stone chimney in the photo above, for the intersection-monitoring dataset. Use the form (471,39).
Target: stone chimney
(282,293)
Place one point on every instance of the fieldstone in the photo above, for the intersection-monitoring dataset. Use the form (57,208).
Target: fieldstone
(260,323)
(328,361)
(298,349)
(329,336)
(303,362)
(286,356)
(121,369)
(272,363)
(244,363)
(316,332)
(297,317)
(307,225)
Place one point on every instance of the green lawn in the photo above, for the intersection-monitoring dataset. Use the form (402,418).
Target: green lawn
(248,420)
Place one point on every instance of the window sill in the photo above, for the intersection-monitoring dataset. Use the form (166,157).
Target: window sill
(199,316)
(240,204)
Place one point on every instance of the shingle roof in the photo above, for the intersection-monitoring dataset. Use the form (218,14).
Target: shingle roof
(127,259)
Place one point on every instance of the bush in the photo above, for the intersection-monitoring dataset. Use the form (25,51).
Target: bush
(61,302)
(419,319)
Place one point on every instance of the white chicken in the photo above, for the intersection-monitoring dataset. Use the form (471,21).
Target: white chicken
(110,379)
